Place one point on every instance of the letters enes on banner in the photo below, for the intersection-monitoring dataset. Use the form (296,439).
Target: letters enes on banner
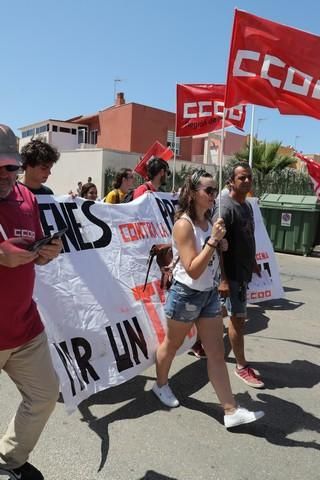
(200,109)
(273,65)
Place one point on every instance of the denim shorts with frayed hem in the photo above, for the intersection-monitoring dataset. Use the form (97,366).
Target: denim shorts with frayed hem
(186,305)
(236,304)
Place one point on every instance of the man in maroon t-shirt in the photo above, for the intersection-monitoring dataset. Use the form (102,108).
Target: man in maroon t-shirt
(158,171)
(24,350)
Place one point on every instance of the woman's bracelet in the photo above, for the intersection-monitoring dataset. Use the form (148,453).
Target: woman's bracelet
(214,244)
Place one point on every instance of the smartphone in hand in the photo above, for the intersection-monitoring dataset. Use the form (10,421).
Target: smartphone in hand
(34,247)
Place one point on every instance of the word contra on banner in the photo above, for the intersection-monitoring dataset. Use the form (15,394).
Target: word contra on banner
(64,215)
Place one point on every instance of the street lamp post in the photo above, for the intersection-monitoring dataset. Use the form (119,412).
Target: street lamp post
(295,141)
(258,125)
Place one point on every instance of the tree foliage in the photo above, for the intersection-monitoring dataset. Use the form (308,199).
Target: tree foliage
(266,157)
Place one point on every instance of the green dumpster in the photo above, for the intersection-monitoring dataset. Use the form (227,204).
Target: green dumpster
(291,221)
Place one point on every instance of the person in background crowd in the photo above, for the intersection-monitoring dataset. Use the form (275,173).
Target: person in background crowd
(193,297)
(89,191)
(239,264)
(89,180)
(79,187)
(226,189)
(38,158)
(122,183)
(158,172)
(24,350)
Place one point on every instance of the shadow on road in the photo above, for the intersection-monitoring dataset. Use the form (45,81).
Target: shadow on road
(280,304)
(151,475)
(186,382)
(297,374)
(291,289)
(282,419)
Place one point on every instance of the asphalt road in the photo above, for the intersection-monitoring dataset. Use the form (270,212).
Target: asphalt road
(125,434)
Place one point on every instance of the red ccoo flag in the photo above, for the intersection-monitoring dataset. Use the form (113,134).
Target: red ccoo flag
(273,65)
(314,172)
(200,109)
(156,150)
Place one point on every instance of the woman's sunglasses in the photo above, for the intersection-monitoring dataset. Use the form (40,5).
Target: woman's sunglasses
(209,190)
(11,168)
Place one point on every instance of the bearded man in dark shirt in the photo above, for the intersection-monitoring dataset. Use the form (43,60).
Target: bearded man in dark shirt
(239,263)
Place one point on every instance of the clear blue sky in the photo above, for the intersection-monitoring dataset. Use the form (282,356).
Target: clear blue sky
(59,58)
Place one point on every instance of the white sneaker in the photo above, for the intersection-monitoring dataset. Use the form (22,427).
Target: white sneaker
(241,416)
(165,395)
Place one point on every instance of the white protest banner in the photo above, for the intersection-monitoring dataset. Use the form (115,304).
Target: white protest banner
(102,327)
(268,286)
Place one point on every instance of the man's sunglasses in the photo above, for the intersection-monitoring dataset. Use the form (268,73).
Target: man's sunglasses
(209,190)
(11,168)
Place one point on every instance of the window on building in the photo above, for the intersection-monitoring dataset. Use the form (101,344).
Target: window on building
(43,128)
(82,135)
(28,133)
(73,131)
(64,130)
(93,137)
(54,128)
(173,142)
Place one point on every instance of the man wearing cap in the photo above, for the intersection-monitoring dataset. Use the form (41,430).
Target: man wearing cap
(24,351)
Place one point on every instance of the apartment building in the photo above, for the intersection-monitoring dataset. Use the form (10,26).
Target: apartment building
(116,137)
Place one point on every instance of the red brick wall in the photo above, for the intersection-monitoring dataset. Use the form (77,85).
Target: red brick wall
(115,128)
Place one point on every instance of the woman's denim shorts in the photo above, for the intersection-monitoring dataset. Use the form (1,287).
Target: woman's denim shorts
(186,305)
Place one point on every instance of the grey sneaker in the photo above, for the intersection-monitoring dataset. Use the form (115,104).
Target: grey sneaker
(240,417)
(165,395)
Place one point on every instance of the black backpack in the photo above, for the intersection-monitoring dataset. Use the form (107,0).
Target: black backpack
(129,195)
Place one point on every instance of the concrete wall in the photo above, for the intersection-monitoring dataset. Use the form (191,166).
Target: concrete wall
(64,141)
(74,166)
(77,165)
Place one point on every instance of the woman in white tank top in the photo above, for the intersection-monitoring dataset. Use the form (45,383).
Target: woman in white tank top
(193,297)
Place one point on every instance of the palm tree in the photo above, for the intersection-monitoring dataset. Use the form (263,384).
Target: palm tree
(266,157)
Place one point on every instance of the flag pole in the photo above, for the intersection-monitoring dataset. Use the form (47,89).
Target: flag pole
(220,160)
(251,136)
(174,160)
(175,150)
